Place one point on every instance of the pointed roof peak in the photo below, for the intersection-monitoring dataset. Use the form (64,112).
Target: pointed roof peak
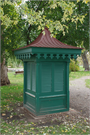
(46,41)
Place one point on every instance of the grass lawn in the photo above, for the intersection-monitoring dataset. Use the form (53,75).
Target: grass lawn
(12,95)
(87,83)
(79,74)
(81,68)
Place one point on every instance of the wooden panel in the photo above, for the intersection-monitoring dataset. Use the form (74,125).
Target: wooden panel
(52,104)
(28,75)
(33,77)
(46,77)
(30,101)
(58,77)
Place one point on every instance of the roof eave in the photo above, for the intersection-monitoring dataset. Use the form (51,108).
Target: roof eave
(52,52)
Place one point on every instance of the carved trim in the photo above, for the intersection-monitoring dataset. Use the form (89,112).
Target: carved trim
(26,56)
(51,56)
(38,55)
(74,56)
(57,56)
(29,55)
(45,56)
(69,56)
(63,56)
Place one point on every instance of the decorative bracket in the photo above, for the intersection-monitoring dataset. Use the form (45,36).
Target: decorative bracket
(63,56)
(75,56)
(29,56)
(51,56)
(45,56)
(26,56)
(57,56)
(38,55)
(69,56)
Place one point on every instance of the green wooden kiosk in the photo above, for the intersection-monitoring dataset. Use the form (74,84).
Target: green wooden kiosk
(46,74)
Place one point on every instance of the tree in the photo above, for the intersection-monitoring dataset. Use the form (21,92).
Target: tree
(38,15)
(79,36)
(76,35)
(10,36)
(83,33)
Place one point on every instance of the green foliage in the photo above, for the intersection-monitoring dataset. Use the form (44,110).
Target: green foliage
(81,68)
(73,66)
(65,20)
(42,19)
(11,32)
(61,17)
(14,63)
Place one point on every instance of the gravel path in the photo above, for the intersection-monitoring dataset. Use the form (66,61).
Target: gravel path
(80,95)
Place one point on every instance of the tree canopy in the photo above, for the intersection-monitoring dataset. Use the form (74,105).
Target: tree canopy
(21,22)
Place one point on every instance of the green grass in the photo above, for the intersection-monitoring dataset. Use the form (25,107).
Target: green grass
(81,68)
(30,128)
(87,81)
(79,74)
(13,94)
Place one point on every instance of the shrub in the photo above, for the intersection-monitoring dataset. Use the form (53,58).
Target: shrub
(73,66)
(14,63)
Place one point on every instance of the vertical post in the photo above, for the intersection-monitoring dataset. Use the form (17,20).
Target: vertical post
(0,72)
(67,84)
(37,88)
(25,82)
(52,78)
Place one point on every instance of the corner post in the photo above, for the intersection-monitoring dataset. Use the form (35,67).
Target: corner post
(25,82)
(67,78)
(37,88)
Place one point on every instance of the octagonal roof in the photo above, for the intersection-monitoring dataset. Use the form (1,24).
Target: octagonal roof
(46,46)
(47,41)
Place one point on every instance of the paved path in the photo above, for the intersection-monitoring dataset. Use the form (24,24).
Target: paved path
(80,95)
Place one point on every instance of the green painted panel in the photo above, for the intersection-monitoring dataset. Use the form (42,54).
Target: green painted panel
(50,94)
(33,76)
(30,101)
(55,50)
(52,104)
(45,77)
(24,50)
(28,75)
(58,77)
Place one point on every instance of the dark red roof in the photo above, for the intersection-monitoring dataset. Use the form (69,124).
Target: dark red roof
(48,42)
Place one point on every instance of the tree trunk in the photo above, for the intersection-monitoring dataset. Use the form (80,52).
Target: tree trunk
(4,75)
(85,61)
